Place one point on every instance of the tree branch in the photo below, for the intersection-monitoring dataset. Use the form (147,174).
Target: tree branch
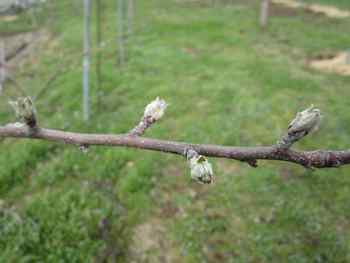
(201,170)
(317,159)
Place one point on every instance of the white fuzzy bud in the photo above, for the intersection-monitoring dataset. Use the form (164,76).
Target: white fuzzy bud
(25,110)
(155,110)
(201,169)
(305,121)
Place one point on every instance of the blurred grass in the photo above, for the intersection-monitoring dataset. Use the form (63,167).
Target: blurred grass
(227,83)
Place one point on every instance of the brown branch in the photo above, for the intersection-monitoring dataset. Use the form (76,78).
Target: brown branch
(143,125)
(317,159)
(304,123)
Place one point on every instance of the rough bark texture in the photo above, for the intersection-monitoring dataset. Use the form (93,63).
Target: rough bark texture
(310,159)
(143,125)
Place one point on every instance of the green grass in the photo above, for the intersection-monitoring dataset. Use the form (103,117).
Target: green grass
(227,83)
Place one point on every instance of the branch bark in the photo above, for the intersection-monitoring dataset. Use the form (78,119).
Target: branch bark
(304,122)
(309,159)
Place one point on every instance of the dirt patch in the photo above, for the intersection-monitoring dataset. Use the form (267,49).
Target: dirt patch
(213,3)
(8,18)
(329,11)
(150,244)
(18,49)
(20,46)
(281,10)
(326,10)
(337,63)
(288,3)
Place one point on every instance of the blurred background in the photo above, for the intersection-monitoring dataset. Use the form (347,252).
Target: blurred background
(234,72)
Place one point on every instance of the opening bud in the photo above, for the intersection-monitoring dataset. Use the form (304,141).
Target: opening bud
(201,169)
(305,121)
(155,110)
(25,110)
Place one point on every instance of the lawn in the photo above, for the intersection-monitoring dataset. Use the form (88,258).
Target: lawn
(226,82)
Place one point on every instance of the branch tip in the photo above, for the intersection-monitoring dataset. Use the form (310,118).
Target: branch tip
(154,111)
(304,123)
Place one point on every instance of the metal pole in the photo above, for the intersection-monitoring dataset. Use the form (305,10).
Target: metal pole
(131,10)
(264,13)
(120,37)
(2,65)
(86,60)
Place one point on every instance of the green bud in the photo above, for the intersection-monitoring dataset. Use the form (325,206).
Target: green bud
(305,121)
(201,169)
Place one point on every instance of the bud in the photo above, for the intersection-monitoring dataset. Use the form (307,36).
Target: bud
(155,110)
(84,148)
(305,121)
(24,110)
(201,169)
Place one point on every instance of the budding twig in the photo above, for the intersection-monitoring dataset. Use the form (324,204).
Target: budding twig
(153,112)
(317,159)
(201,169)
(304,122)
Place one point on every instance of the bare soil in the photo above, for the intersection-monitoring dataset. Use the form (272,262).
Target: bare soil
(213,3)
(151,244)
(332,63)
(22,46)
(8,18)
(329,11)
